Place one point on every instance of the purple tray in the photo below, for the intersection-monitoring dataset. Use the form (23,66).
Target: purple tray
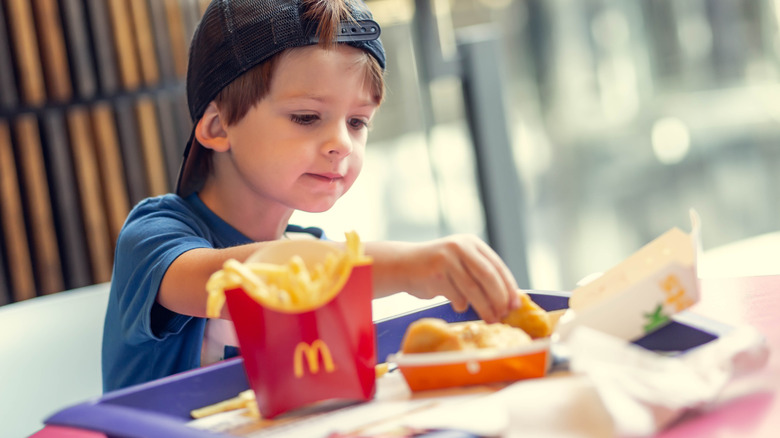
(162,407)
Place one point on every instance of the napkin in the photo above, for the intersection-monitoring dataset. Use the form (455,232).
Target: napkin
(644,391)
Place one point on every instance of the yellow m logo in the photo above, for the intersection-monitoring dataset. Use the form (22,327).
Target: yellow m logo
(312,353)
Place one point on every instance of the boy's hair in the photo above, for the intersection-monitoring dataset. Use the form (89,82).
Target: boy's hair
(237,44)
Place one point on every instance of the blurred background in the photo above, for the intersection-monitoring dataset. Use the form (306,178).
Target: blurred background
(567,133)
(621,115)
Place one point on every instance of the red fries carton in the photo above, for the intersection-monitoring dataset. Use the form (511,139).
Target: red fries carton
(315,345)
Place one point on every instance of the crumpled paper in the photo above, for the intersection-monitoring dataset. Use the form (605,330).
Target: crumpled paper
(644,391)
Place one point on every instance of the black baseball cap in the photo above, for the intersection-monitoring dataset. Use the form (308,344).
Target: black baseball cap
(235,35)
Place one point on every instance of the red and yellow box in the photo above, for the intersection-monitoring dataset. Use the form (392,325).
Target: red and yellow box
(296,358)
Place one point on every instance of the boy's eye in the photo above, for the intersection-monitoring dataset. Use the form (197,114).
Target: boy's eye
(304,119)
(358,123)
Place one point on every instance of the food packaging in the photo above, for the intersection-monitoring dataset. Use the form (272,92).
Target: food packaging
(295,359)
(630,301)
(639,295)
(426,371)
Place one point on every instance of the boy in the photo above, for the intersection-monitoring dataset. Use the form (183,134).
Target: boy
(281,94)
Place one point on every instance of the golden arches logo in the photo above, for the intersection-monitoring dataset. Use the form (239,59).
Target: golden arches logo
(312,352)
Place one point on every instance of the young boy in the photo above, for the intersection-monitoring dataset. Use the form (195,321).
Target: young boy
(281,94)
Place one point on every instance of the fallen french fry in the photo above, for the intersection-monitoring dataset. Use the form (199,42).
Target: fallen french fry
(381,369)
(243,400)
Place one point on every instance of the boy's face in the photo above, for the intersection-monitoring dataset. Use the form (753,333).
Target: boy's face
(302,146)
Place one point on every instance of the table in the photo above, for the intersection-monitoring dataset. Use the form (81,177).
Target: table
(752,300)
(735,291)
(742,300)
(751,257)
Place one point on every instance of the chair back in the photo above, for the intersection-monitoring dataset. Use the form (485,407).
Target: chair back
(49,355)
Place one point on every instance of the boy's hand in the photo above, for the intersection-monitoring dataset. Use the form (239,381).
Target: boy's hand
(462,268)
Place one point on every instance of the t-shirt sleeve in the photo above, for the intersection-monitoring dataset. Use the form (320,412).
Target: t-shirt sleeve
(151,239)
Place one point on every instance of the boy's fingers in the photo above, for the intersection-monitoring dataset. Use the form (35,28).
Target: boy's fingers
(514,299)
(491,283)
(465,286)
(458,301)
(509,282)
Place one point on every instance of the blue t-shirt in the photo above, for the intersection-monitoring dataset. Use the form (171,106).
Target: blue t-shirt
(142,340)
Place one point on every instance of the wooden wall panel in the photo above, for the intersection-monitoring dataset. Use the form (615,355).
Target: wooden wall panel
(18,257)
(38,209)
(80,52)
(112,173)
(69,222)
(53,53)
(27,59)
(144,36)
(8,96)
(93,119)
(103,42)
(90,189)
(178,36)
(154,160)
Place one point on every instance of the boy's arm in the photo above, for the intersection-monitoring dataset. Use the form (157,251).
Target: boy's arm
(183,288)
(462,268)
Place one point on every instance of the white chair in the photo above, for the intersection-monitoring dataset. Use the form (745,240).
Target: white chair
(49,356)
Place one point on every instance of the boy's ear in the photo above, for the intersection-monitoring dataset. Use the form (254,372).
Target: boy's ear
(210,130)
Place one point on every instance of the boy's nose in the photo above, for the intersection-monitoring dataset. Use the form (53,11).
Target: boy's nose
(339,142)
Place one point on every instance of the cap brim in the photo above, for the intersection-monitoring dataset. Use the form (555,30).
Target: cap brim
(191,173)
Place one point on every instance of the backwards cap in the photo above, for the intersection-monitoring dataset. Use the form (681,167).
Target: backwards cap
(235,35)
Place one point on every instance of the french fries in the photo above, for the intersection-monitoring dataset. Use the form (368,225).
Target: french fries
(291,287)
(247,400)
(381,369)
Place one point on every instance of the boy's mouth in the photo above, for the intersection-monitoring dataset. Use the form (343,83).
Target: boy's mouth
(327,177)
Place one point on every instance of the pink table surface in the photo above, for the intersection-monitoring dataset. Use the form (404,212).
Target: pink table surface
(52,431)
(753,301)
